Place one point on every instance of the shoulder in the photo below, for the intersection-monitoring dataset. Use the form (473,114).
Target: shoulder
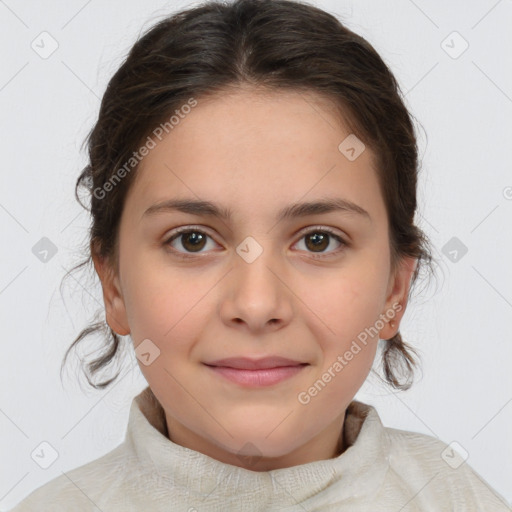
(435,470)
(83,488)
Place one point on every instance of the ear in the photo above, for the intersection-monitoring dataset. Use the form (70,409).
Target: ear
(115,310)
(397,296)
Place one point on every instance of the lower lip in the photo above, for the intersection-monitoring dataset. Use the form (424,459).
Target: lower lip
(257,378)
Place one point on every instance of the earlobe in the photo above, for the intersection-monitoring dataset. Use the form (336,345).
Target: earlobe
(115,310)
(398,295)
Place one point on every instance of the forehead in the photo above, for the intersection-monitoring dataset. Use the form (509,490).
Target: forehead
(256,151)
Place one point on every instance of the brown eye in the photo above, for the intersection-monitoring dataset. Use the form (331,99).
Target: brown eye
(188,241)
(193,241)
(317,242)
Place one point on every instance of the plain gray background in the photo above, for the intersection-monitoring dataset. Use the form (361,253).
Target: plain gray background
(461,323)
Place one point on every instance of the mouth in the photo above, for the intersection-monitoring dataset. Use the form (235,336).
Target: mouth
(249,372)
(248,363)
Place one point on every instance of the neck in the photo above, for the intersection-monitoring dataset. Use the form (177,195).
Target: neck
(329,443)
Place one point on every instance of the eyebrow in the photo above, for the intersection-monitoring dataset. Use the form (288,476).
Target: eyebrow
(210,209)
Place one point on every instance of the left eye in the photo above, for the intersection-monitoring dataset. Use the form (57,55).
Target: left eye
(319,240)
(194,240)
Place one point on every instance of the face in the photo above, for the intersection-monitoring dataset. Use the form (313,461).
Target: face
(315,286)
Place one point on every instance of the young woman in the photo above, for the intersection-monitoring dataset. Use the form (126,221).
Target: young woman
(252,178)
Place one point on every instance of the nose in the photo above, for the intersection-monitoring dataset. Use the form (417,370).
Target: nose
(256,297)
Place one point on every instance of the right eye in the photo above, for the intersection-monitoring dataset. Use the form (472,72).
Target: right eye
(191,239)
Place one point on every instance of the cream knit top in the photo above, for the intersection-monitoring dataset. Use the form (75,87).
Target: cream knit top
(383,469)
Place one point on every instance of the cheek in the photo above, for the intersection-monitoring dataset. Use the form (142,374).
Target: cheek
(342,305)
(162,304)
(166,310)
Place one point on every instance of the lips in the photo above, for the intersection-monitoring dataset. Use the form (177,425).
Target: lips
(245,363)
(256,373)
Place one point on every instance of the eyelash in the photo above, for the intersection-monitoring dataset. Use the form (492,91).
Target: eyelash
(316,229)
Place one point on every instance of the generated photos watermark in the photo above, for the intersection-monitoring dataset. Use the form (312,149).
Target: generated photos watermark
(304,397)
(137,156)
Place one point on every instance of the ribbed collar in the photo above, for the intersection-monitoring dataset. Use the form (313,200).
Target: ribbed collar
(358,472)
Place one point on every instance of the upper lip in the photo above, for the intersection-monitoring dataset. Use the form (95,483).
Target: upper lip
(246,363)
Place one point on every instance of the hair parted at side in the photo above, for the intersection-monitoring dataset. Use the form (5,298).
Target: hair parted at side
(270,44)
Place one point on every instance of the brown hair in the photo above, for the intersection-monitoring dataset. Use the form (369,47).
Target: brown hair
(273,44)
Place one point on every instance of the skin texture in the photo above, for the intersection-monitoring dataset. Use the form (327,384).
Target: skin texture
(255,153)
